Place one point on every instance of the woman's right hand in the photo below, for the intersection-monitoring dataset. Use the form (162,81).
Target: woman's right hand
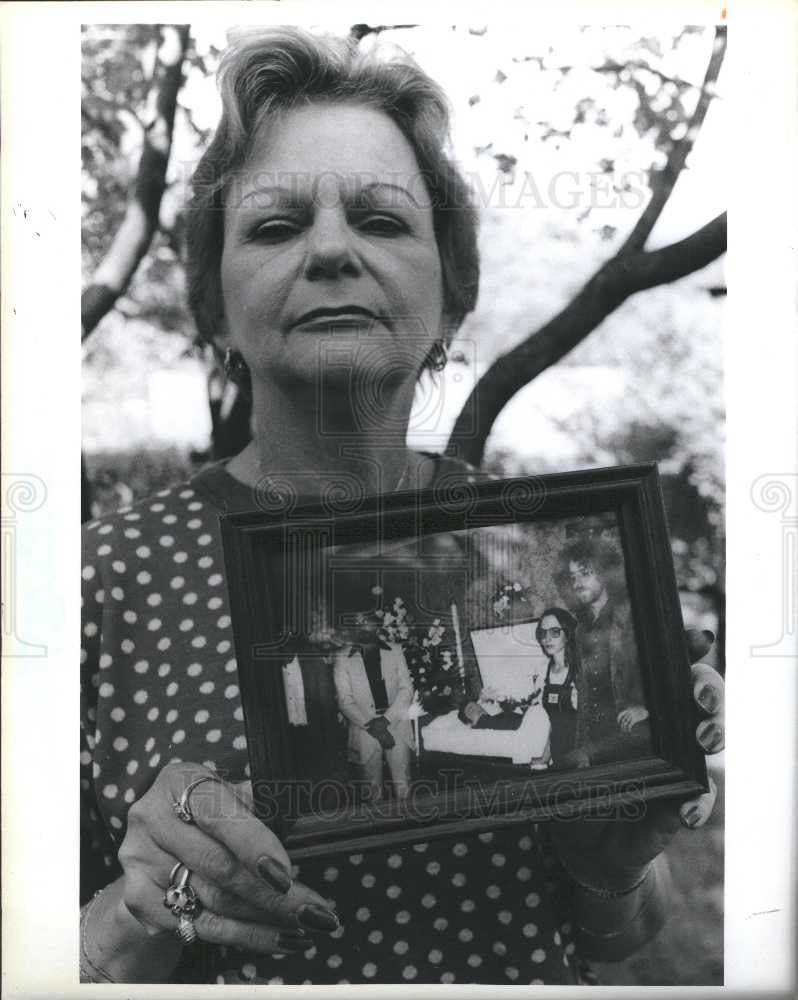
(239,869)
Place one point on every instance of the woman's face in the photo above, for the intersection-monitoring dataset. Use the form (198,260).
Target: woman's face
(330,265)
(551,643)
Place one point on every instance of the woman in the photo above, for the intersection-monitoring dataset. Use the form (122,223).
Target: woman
(556,633)
(331,256)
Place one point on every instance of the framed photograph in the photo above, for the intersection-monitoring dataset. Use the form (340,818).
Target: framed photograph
(468,656)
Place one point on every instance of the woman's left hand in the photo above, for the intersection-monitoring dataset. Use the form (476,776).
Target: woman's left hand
(631,716)
(612,853)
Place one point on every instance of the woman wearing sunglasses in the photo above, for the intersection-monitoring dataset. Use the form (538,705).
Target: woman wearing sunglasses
(556,633)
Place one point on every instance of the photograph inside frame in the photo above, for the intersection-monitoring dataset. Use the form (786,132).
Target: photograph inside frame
(437,667)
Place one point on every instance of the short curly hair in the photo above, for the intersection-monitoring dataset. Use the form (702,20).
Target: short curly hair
(265,74)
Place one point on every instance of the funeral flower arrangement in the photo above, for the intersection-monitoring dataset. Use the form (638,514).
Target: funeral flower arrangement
(430,655)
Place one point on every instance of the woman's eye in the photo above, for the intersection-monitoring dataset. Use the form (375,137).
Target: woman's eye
(275,230)
(382,225)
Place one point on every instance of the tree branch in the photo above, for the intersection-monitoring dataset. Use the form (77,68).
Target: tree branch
(141,219)
(663,181)
(611,285)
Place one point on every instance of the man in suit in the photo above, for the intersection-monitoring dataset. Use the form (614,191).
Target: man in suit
(374,693)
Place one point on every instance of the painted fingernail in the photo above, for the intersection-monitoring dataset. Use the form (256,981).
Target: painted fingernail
(712,738)
(293,941)
(316,917)
(692,816)
(708,698)
(273,873)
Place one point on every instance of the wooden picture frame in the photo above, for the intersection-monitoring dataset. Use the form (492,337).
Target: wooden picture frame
(292,575)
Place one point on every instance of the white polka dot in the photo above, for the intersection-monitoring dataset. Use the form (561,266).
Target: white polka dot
(499,948)
(248,971)
(498,860)
(95,769)
(214,603)
(194,523)
(435,956)
(117,714)
(130,795)
(154,624)
(459,850)
(223,646)
(186,494)
(202,716)
(334,961)
(529,930)
(156,508)
(213,735)
(556,938)
(187,624)
(171,715)
(118,566)
(99,597)
(130,617)
(177,582)
(474,961)
(362,913)
(120,743)
(106,660)
(143,577)
(103,550)
(441,923)
(458,879)
(154,600)
(132,766)
(143,551)
(127,645)
(525,843)
(132,533)
(330,874)
(194,669)
(153,713)
(167,541)
(169,518)
(409,972)
(110,791)
(105,529)
(532,899)
(215,579)
(140,696)
(190,598)
(207,687)
(90,629)
(115,822)
(375,937)
(466,934)
(87,573)
(433,868)
(231,691)
(368,881)
(402,917)
(468,905)
(223,622)
(428,901)
(570,948)
(205,562)
(447,977)
(511,972)
(180,557)
(204,540)
(106,689)
(149,744)
(538,955)
(420,848)
(369,970)
(85,758)
(164,643)
(393,892)
(198,641)
(171,689)
(155,760)
(240,743)
(196,505)
(231,666)
(238,714)
(141,666)
(178,736)
(493,892)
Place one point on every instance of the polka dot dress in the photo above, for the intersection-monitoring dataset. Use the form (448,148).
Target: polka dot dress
(159,684)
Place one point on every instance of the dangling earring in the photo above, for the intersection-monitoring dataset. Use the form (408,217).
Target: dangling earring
(234,365)
(438,356)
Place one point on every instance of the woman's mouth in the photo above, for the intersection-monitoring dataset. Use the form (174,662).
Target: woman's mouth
(328,318)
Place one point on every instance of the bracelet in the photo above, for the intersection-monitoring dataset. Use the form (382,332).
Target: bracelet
(89,972)
(612,893)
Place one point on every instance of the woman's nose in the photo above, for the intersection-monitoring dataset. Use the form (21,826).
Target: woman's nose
(330,250)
